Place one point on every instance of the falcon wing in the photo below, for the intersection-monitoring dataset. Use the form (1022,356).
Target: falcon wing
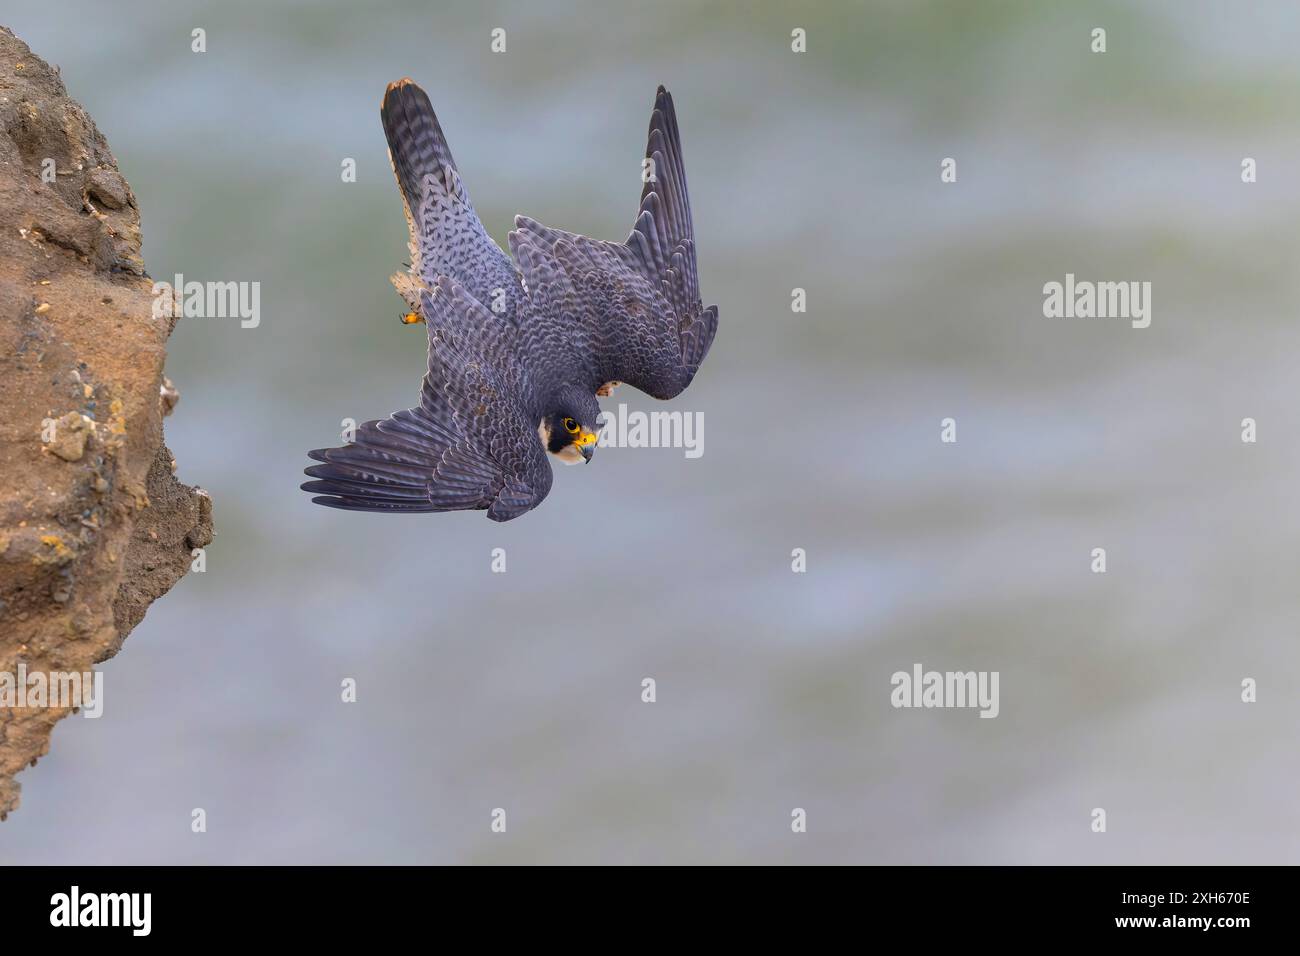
(635,305)
(466,446)
(447,237)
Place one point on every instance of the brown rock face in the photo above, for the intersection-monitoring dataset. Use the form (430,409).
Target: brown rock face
(93,525)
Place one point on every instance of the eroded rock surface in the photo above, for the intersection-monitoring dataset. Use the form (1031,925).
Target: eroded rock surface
(93,524)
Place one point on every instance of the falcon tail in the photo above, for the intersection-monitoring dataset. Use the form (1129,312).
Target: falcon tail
(416,144)
(446,235)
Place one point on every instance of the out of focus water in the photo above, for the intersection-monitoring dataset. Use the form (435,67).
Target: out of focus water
(820,171)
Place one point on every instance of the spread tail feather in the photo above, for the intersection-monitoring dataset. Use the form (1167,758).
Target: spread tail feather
(416,144)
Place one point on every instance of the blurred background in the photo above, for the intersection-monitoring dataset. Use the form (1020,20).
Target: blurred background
(817,170)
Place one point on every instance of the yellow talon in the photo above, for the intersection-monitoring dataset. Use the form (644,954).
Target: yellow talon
(412,318)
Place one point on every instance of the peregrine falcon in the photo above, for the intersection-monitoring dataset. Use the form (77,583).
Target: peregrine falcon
(519,351)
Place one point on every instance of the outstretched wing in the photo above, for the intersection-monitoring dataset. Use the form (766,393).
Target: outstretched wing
(635,305)
(466,446)
(447,237)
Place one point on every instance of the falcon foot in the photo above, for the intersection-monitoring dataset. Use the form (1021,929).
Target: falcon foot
(607,389)
(412,318)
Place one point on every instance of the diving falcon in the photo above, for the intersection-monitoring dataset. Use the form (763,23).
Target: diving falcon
(519,351)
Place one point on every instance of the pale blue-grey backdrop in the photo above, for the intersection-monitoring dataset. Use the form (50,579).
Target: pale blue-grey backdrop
(817,170)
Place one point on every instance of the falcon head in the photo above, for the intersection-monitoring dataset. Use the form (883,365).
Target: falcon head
(570,431)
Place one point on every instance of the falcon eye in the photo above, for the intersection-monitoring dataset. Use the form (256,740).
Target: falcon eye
(570,426)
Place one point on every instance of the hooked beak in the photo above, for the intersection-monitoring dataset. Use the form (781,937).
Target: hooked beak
(586,443)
